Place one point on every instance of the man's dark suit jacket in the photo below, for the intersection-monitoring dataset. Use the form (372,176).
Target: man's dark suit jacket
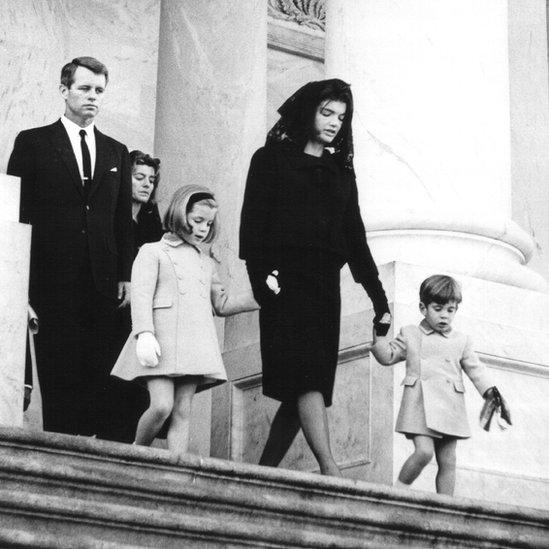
(64,221)
(82,246)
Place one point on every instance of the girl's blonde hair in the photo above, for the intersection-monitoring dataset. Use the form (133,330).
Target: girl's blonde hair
(182,202)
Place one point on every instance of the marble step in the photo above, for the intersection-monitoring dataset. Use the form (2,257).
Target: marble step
(62,491)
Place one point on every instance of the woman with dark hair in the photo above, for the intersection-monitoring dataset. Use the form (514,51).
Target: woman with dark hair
(146,219)
(129,400)
(300,224)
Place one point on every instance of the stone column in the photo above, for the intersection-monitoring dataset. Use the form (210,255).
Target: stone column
(14,280)
(433,132)
(437,158)
(210,117)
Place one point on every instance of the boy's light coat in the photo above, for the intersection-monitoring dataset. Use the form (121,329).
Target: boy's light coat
(434,369)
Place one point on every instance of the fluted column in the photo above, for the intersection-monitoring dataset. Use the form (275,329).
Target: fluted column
(14,280)
(433,132)
(210,117)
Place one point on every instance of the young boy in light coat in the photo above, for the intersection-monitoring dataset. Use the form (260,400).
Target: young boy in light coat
(432,411)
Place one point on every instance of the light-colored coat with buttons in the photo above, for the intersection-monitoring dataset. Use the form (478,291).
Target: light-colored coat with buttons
(174,287)
(433,399)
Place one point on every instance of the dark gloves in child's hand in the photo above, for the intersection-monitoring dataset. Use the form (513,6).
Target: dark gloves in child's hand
(382,323)
(494,403)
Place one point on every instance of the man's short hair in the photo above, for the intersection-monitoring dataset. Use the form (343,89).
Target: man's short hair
(439,289)
(90,63)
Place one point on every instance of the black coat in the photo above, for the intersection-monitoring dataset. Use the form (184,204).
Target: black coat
(294,201)
(301,216)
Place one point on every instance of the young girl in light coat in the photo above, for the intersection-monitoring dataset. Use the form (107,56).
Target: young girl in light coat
(173,346)
(432,412)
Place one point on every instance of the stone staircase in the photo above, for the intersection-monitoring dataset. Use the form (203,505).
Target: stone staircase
(71,492)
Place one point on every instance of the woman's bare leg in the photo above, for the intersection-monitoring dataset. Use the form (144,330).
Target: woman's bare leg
(445,451)
(179,431)
(282,433)
(161,391)
(314,422)
(424,450)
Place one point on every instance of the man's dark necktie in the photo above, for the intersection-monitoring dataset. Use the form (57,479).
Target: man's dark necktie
(86,161)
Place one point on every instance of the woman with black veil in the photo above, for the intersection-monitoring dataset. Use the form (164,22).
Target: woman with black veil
(300,224)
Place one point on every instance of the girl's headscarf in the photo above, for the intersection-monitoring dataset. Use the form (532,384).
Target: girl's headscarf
(297,117)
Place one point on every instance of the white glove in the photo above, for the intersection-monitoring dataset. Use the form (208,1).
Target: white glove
(272,282)
(147,349)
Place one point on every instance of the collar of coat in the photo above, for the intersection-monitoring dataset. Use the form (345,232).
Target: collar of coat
(427,330)
(175,241)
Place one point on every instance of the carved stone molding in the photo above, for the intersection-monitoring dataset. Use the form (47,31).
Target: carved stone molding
(308,13)
(298,27)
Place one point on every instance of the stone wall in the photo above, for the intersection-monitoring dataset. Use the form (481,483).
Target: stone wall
(38,38)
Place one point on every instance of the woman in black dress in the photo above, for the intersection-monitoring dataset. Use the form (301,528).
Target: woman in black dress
(130,400)
(300,224)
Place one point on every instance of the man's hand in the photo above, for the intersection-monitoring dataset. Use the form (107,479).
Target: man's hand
(123,294)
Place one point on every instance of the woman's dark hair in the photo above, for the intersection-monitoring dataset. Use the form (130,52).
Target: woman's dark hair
(297,116)
(139,158)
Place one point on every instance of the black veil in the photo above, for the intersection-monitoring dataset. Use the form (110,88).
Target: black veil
(297,115)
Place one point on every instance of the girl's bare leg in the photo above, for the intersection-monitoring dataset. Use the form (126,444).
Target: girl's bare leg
(282,433)
(314,422)
(423,454)
(178,433)
(445,451)
(161,391)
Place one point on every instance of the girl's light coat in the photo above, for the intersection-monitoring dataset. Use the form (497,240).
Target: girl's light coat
(174,287)
(433,358)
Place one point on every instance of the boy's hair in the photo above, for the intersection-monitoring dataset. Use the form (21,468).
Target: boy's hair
(439,289)
(90,63)
(139,158)
(183,201)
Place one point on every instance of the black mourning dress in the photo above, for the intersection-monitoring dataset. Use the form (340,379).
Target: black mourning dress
(301,217)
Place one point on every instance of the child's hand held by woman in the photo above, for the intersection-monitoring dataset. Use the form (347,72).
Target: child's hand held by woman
(147,349)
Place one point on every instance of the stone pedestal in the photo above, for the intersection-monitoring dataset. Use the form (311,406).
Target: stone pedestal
(14,280)
(63,491)
(210,117)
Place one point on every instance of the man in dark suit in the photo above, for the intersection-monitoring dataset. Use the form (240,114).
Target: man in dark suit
(76,194)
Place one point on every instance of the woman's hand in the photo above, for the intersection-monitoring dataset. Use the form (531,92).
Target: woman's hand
(272,282)
(382,323)
(147,349)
